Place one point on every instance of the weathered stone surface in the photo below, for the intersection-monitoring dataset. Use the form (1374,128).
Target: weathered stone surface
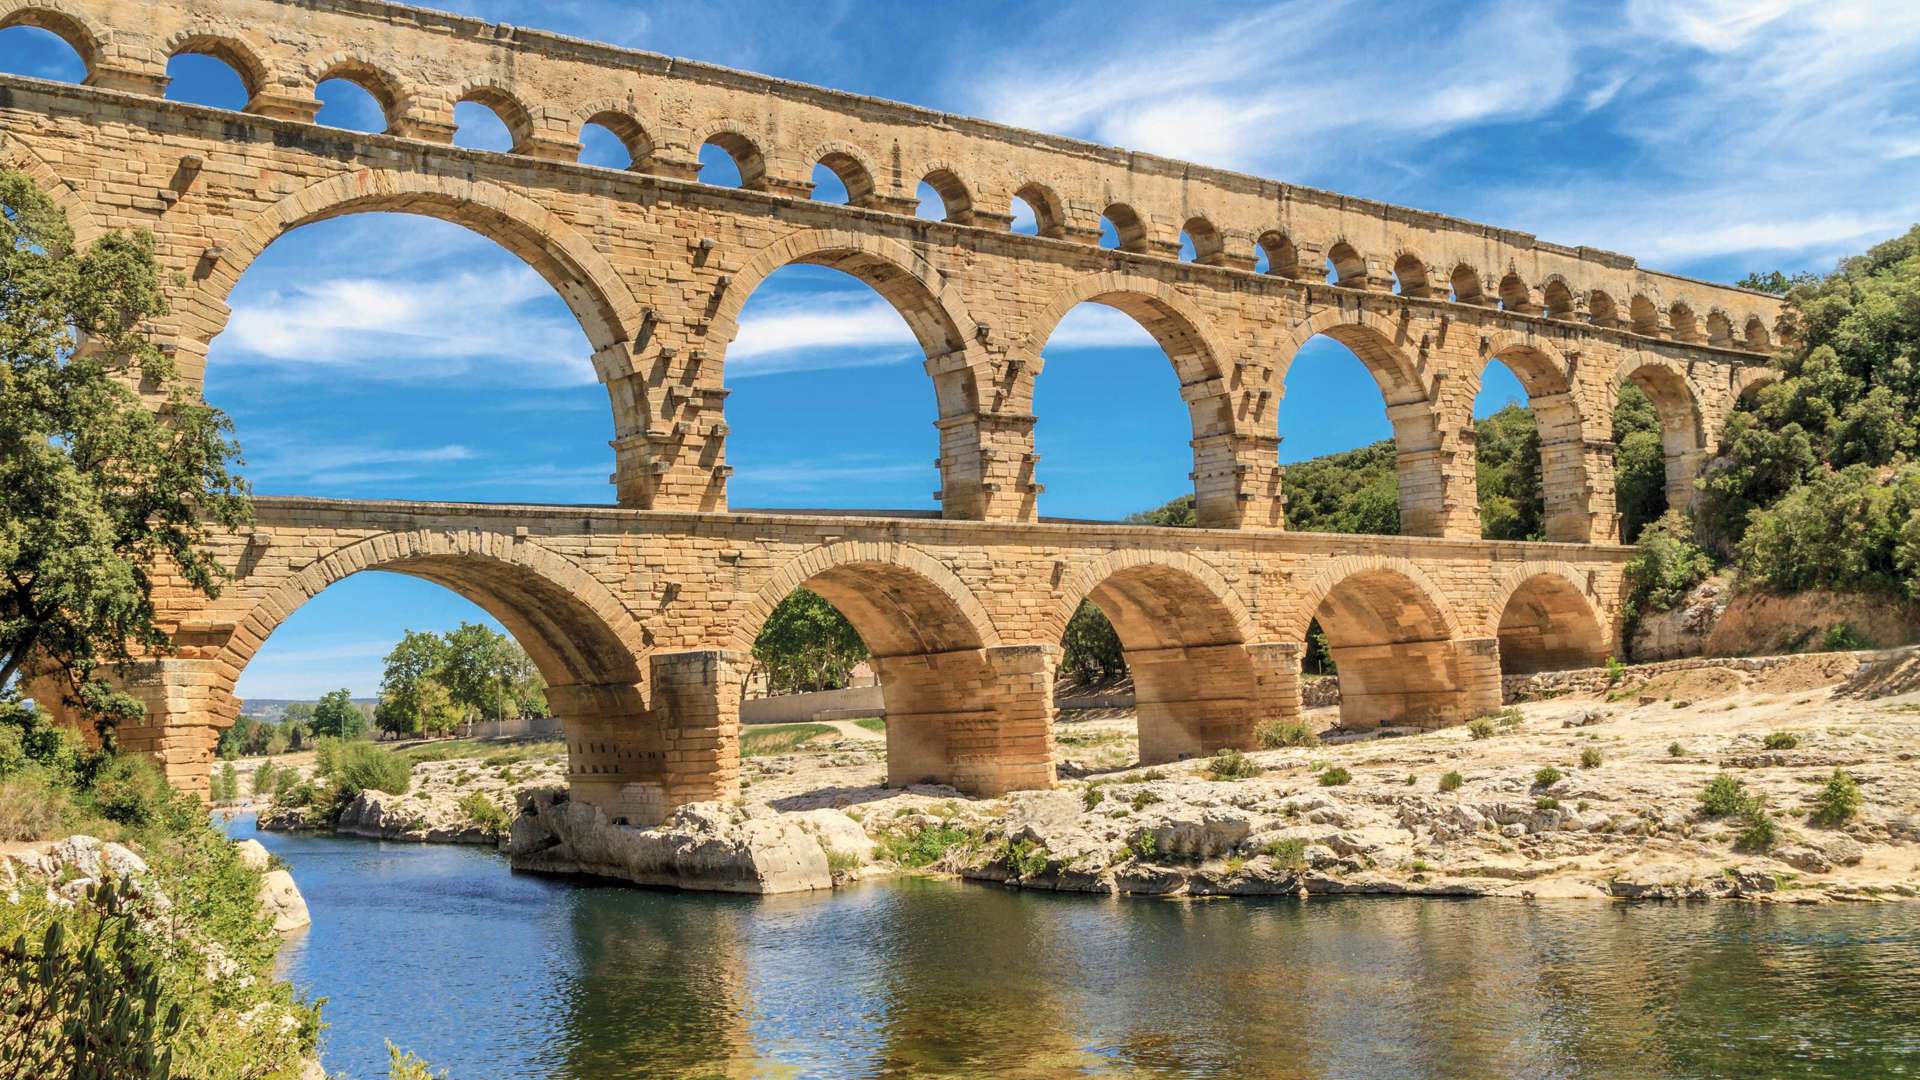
(253,854)
(282,899)
(709,847)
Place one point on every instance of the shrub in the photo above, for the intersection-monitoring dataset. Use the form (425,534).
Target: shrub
(1842,637)
(1509,718)
(1759,834)
(841,863)
(263,779)
(485,814)
(1335,777)
(1615,671)
(223,787)
(1092,797)
(1231,764)
(1781,740)
(1590,758)
(1666,564)
(1287,851)
(921,846)
(130,790)
(361,766)
(1480,728)
(1674,749)
(31,809)
(1026,858)
(1277,733)
(1546,802)
(1451,782)
(1547,776)
(1838,802)
(1144,798)
(1724,796)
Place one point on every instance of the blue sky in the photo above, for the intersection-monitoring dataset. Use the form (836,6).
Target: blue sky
(386,356)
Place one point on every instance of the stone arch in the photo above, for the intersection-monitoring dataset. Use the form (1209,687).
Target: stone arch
(1546,619)
(1349,266)
(1719,329)
(1219,615)
(1209,247)
(1049,210)
(1464,280)
(1515,294)
(1128,226)
(1184,632)
(739,143)
(1755,333)
(1393,642)
(573,627)
(591,287)
(1644,315)
(955,197)
(903,601)
(500,97)
(1682,422)
(1410,271)
(387,91)
(850,164)
(1545,375)
(79,210)
(1174,320)
(617,117)
(1557,296)
(61,21)
(1283,257)
(229,50)
(1601,310)
(1684,323)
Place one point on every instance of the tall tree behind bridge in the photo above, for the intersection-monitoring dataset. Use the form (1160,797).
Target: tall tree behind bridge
(98,492)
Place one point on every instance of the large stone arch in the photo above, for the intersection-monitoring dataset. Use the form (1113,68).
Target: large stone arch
(1668,383)
(1547,377)
(1170,316)
(1184,632)
(208,39)
(1388,350)
(592,289)
(1394,641)
(571,624)
(961,709)
(1546,618)
(62,21)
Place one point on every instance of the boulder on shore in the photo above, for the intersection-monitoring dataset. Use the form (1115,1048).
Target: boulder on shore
(709,846)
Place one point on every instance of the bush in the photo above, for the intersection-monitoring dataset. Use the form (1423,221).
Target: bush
(1092,797)
(31,809)
(362,766)
(1231,764)
(1026,858)
(1546,802)
(1615,671)
(1838,802)
(1759,834)
(1724,796)
(1451,781)
(1842,637)
(1666,565)
(1480,727)
(1590,758)
(1674,749)
(130,790)
(1287,851)
(485,814)
(1335,777)
(29,739)
(1781,740)
(1839,530)
(921,846)
(1547,776)
(1277,733)
(223,787)
(263,779)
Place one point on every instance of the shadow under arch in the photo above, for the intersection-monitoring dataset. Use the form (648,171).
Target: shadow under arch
(1182,330)
(956,714)
(582,639)
(1544,375)
(1384,348)
(1545,621)
(1393,643)
(1184,632)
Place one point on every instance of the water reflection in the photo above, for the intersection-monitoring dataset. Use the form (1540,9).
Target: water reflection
(494,974)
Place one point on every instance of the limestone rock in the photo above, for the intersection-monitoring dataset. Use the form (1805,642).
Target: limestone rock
(1810,859)
(710,846)
(282,899)
(253,854)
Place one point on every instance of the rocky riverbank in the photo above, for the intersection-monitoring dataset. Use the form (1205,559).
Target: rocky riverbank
(1587,794)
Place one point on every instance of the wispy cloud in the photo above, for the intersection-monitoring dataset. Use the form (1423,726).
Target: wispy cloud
(816,331)
(831,472)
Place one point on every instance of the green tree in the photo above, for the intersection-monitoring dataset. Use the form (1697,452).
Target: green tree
(1639,463)
(1507,462)
(338,716)
(1356,491)
(1090,649)
(417,659)
(99,490)
(1843,530)
(488,674)
(806,644)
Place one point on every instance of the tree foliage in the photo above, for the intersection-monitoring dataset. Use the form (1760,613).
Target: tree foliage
(1357,491)
(1507,466)
(99,492)
(1090,649)
(337,716)
(806,644)
(435,682)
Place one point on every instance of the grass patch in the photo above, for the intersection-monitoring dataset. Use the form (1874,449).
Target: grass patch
(1277,733)
(767,740)
(1231,764)
(1781,740)
(1591,758)
(1547,776)
(1676,750)
(873,723)
(485,814)
(485,751)
(1287,851)
(1480,727)
(1451,782)
(1335,777)
(841,862)
(922,846)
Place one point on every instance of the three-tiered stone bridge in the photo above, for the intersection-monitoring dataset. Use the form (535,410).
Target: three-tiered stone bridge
(640,615)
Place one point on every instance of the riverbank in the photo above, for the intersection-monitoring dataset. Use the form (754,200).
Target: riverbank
(1586,794)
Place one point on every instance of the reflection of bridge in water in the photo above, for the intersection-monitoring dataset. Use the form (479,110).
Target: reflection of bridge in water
(640,617)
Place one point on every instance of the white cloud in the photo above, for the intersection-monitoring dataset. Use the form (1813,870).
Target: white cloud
(274,460)
(816,331)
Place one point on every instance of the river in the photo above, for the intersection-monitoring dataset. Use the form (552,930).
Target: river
(488,973)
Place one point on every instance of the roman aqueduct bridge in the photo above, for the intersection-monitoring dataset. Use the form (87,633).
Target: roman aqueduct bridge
(640,615)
